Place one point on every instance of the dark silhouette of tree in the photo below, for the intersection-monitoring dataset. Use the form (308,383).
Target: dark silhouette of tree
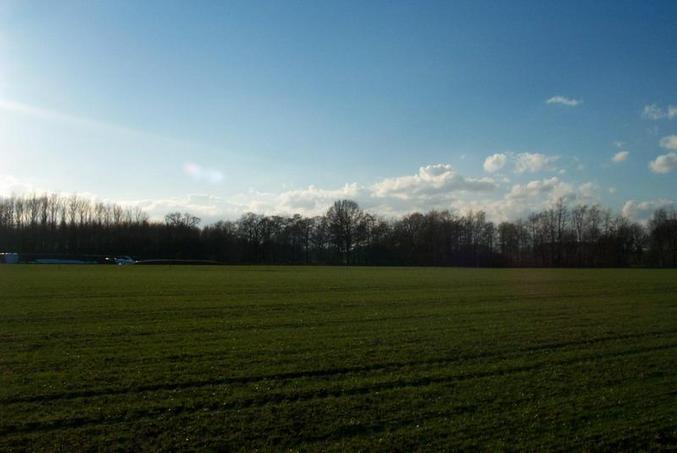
(52,225)
(185,220)
(347,227)
(663,237)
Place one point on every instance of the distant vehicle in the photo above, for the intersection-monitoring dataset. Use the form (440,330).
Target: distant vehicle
(124,260)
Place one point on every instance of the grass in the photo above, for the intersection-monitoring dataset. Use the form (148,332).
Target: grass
(308,358)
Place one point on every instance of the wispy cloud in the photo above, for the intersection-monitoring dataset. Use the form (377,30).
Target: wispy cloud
(563,100)
(534,162)
(656,112)
(85,123)
(669,142)
(199,173)
(53,115)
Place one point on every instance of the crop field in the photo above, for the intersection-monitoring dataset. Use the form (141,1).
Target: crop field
(317,358)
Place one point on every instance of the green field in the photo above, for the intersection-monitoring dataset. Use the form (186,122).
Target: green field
(305,358)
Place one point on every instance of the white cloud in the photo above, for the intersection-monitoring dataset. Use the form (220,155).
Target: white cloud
(588,190)
(522,162)
(548,189)
(522,199)
(430,180)
(533,188)
(432,187)
(495,162)
(656,112)
(664,163)
(620,156)
(533,162)
(436,186)
(208,207)
(496,210)
(641,211)
(541,193)
(669,142)
(311,200)
(562,100)
(10,185)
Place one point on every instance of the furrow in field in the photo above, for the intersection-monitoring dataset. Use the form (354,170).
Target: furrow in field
(299,396)
(328,372)
(467,435)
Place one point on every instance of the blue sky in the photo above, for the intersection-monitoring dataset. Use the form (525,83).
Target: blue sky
(225,107)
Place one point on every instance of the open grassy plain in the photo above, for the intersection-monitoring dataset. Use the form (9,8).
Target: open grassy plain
(309,358)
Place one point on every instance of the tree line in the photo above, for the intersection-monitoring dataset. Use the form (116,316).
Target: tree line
(559,236)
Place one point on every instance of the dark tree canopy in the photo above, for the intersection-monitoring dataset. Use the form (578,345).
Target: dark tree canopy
(555,237)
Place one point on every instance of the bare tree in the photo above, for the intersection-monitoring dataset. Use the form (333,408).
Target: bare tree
(346,225)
